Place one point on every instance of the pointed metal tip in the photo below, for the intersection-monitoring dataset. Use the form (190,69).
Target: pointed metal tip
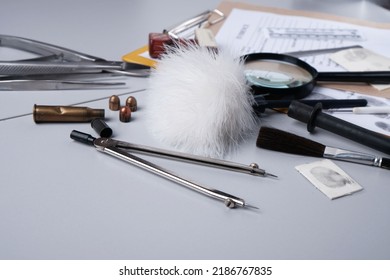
(270,174)
(262,172)
(251,206)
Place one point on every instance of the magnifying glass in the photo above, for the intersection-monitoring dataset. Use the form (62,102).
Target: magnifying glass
(279,76)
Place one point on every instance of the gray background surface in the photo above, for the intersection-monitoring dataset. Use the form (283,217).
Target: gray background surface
(62,200)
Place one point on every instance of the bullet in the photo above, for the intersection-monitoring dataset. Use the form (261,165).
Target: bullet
(114,103)
(47,113)
(125,114)
(132,103)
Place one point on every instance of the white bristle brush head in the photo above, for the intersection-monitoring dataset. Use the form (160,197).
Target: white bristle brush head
(198,101)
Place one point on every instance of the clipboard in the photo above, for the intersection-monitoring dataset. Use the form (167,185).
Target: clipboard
(227,6)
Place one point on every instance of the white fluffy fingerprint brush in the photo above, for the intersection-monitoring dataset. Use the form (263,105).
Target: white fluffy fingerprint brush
(198,101)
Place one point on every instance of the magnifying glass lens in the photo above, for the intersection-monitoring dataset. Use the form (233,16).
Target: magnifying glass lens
(279,76)
(275,74)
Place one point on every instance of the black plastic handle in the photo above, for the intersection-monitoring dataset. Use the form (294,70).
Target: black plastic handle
(82,137)
(313,116)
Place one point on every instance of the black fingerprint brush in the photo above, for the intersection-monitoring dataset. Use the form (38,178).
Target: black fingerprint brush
(282,141)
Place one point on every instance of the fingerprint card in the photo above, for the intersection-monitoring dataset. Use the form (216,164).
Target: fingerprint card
(329,178)
(360,59)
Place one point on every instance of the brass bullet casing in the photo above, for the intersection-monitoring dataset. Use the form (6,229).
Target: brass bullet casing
(125,114)
(114,103)
(47,113)
(132,103)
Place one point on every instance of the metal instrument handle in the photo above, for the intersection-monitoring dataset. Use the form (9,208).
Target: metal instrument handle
(345,155)
(45,49)
(55,53)
(27,85)
(38,67)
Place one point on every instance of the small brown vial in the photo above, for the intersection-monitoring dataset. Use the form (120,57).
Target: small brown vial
(132,103)
(114,103)
(125,114)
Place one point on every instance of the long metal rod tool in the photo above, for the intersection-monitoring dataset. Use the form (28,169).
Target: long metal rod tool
(103,145)
(229,200)
(252,169)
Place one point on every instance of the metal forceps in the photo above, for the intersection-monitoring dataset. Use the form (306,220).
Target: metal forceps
(120,149)
(60,64)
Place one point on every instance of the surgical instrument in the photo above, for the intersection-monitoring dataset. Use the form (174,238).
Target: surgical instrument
(53,53)
(49,67)
(57,84)
(118,149)
(57,61)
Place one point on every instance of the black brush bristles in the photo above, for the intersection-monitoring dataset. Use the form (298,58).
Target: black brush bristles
(278,140)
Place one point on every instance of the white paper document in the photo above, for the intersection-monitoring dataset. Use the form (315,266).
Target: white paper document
(361,59)
(251,31)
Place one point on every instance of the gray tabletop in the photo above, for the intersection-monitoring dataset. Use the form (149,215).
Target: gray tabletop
(62,200)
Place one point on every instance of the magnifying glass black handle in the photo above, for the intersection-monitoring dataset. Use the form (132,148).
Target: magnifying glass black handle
(374,77)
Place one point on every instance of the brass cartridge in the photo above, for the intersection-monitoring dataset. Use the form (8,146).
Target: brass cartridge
(47,113)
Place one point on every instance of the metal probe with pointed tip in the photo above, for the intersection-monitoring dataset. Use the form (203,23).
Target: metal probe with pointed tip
(104,145)
(251,169)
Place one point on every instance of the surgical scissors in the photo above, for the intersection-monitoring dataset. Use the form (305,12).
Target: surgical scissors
(62,62)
